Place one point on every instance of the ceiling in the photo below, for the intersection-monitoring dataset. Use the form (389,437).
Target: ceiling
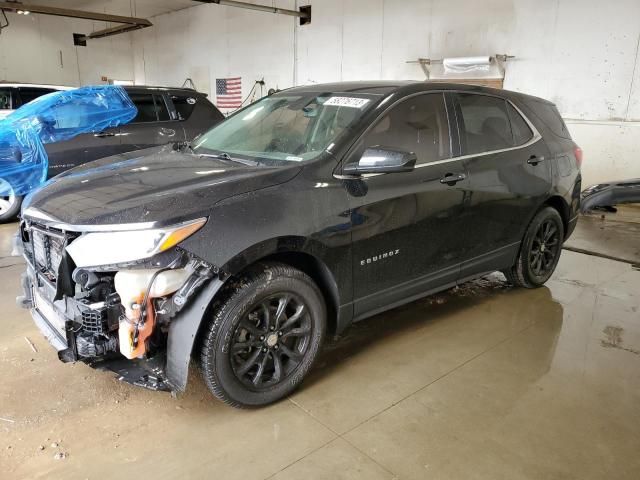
(135,8)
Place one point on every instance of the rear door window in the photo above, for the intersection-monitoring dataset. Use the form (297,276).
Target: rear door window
(146,107)
(418,124)
(151,107)
(484,126)
(184,105)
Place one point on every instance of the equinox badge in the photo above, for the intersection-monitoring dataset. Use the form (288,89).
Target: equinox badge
(380,256)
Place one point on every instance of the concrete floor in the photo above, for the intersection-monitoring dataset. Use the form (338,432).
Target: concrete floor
(481,382)
(612,235)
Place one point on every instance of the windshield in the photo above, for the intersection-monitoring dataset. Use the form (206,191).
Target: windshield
(285,128)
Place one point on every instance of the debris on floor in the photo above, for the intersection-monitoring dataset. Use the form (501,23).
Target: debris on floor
(33,347)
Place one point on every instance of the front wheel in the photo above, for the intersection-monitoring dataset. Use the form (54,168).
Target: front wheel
(263,337)
(9,206)
(540,250)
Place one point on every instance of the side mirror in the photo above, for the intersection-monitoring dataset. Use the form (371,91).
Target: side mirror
(382,160)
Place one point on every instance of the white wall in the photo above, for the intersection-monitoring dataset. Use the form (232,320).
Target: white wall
(30,50)
(206,42)
(580,54)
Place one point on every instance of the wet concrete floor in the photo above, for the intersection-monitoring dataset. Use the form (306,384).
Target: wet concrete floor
(612,234)
(483,381)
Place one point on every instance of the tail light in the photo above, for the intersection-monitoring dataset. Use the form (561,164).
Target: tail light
(577,152)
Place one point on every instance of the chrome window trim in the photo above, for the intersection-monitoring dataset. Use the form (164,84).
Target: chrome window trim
(536,135)
(535,138)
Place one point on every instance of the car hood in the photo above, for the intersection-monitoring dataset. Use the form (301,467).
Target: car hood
(156,185)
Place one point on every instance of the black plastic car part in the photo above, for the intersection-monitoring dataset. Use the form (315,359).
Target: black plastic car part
(610,194)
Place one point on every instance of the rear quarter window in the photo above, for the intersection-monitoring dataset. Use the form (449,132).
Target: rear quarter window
(5,99)
(184,105)
(550,116)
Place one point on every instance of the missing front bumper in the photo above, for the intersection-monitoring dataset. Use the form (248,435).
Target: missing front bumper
(146,373)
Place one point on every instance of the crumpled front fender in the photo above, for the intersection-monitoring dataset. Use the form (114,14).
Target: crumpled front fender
(183,332)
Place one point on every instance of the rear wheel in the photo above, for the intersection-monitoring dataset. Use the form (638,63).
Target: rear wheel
(263,337)
(540,250)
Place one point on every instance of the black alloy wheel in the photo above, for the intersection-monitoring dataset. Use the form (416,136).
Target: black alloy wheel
(539,251)
(271,340)
(265,332)
(544,249)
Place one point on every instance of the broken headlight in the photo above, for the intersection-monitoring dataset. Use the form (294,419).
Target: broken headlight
(108,248)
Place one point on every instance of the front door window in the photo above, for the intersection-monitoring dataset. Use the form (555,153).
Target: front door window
(417,125)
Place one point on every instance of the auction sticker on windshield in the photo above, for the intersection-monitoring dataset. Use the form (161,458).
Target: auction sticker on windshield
(353,102)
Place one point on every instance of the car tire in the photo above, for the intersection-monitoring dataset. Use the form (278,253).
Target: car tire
(539,252)
(264,335)
(10,207)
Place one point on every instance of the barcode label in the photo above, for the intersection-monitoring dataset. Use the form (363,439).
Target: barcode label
(353,102)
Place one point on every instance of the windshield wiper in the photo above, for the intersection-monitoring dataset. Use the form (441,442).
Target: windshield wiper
(227,157)
(222,155)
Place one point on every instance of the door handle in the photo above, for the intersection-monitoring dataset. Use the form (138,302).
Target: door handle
(104,134)
(452,178)
(535,160)
(167,132)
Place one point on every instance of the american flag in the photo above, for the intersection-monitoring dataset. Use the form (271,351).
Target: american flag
(229,92)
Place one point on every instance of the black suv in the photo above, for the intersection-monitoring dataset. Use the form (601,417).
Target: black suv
(302,213)
(165,115)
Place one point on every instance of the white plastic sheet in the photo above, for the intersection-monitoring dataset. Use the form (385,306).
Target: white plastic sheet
(466,64)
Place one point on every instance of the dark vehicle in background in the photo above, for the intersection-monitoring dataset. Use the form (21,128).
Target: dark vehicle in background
(304,212)
(165,115)
(14,95)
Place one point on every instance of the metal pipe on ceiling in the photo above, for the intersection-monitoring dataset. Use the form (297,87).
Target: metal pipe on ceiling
(260,8)
(128,23)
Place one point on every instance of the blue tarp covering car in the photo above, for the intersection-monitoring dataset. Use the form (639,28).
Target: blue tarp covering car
(55,117)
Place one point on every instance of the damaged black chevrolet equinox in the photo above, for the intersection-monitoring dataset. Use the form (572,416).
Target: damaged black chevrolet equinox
(304,212)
